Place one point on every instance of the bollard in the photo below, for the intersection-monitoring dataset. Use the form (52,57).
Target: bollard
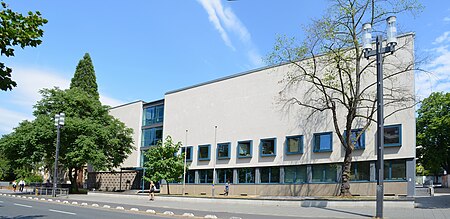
(37,191)
(431,191)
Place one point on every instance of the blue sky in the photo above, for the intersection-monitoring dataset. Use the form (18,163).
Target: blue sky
(142,49)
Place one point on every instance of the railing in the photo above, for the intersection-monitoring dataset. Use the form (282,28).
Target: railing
(46,191)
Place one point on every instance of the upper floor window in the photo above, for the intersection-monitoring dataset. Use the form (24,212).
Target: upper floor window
(244,149)
(294,144)
(323,142)
(268,147)
(188,152)
(223,150)
(361,143)
(204,152)
(153,115)
(151,136)
(393,135)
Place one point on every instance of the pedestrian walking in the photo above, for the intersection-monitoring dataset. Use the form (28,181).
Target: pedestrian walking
(21,185)
(152,191)
(14,185)
(227,188)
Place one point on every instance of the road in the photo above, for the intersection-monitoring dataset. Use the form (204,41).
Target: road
(20,208)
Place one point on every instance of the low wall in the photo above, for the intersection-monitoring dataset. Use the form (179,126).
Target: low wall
(323,189)
(113,181)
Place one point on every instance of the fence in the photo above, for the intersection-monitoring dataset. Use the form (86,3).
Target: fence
(48,191)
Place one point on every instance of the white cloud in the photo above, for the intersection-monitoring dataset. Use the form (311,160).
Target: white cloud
(439,67)
(446,19)
(26,94)
(225,21)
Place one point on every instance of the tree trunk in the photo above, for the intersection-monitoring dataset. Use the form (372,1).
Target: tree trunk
(70,175)
(168,191)
(75,185)
(346,171)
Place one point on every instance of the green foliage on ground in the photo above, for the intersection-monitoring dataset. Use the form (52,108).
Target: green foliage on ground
(17,30)
(433,133)
(164,162)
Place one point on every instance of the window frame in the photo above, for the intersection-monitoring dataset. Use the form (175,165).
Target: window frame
(190,149)
(399,144)
(228,144)
(300,146)
(320,134)
(209,152)
(270,175)
(362,139)
(250,148)
(274,147)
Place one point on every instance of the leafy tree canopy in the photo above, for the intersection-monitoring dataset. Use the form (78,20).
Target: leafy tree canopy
(17,30)
(163,162)
(84,77)
(433,128)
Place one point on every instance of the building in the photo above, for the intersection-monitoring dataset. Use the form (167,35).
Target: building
(235,126)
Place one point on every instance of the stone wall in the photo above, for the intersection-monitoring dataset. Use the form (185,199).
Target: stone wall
(114,181)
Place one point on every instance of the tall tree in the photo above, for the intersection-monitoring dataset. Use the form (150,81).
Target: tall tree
(433,128)
(84,77)
(334,80)
(17,30)
(164,162)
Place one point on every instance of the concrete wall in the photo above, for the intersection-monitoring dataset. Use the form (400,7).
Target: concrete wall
(246,107)
(319,189)
(131,115)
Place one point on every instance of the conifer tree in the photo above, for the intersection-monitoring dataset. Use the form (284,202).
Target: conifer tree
(84,77)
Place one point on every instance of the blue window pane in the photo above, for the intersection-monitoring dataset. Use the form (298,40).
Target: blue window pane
(151,136)
(325,142)
(223,150)
(153,115)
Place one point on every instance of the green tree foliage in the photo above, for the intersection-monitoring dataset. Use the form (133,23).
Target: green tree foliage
(84,77)
(90,135)
(433,132)
(17,30)
(163,162)
(331,74)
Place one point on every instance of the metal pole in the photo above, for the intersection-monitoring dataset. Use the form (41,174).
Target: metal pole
(184,170)
(55,174)
(380,129)
(214,160)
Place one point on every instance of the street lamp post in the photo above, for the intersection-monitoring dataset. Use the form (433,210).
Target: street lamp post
(378,52)
(59,122)
(184,169)
(214,160)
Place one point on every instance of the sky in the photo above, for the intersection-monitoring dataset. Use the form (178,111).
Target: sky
(142,49)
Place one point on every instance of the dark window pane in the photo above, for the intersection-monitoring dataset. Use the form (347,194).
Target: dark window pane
(153,115)
(360,171)
(246,175)
(188,152)
(392,135)
(205,176)
(295,174)
(203,152)
(223,150)
(398,170)
(244,149)
(190,176)
(324,173)
(268,147)
(225,175)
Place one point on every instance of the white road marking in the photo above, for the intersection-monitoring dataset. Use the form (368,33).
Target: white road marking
(63,212)
(28,206)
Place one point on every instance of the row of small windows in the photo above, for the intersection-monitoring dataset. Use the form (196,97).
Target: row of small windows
(394,170)
(322,142)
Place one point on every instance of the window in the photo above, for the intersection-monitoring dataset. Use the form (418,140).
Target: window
(188,152)
(223,150)
(151,136)
(361,143)
(225,175)
(295,174)
(269,174)
(294,144)
(244,149)
(246,175)
(360,171)
(395,170)
(204,152)
(323,142)
(268,147)
(393,135)
(190,176)
(205,176)
(153,115)
(324,173)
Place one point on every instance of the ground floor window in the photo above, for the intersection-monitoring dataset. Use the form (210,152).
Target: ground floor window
(246,175)
(395,170)
(190,176)
(295,174)
(360,171)
(324,173)
(225,175)
(205,176)
(270,174)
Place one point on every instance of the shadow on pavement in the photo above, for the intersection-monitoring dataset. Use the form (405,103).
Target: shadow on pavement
(348,212)
(438,201)
(22,217)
